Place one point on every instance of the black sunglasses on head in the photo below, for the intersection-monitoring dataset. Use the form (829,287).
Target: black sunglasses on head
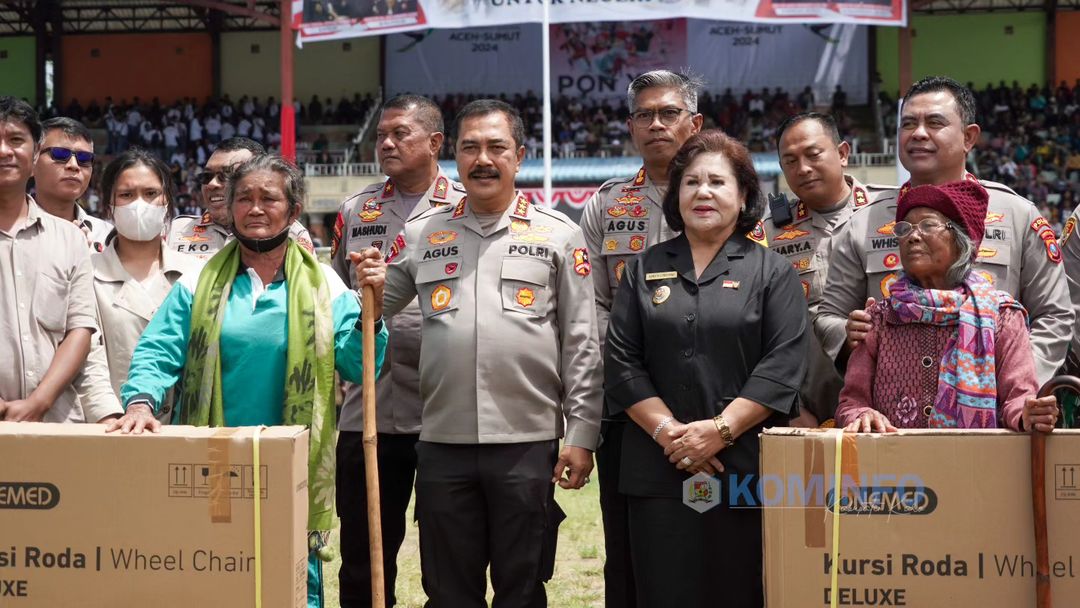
(63,155)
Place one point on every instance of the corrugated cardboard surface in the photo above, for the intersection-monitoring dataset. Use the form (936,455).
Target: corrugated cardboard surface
(89,519)
(975,547)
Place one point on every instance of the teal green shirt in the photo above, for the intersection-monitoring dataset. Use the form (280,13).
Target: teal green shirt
(254,337)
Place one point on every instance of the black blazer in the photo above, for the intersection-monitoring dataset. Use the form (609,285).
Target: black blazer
(738,331)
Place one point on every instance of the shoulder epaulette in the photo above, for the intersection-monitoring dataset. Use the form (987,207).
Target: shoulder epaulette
(431,212)
(613,182)
(989,185)
(370,189)
(559,215)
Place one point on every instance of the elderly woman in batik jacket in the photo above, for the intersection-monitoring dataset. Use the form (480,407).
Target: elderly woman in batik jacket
(945,350)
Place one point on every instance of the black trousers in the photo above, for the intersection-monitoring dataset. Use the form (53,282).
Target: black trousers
(695,560)
(481,505)
(618,567)
(397,466)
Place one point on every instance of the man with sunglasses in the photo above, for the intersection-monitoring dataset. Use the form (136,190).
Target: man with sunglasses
(1019,253)
(62,174)
(47,313)
(205,235)
(621,220)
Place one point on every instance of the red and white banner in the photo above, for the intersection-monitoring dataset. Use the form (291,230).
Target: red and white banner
(334,19)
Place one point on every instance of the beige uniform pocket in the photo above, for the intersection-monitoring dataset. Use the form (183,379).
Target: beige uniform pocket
(524,286)
(437,285)
(50,303)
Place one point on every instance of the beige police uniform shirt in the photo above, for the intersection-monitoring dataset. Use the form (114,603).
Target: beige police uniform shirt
(805,244)
(510,352)
(1016,254)
(622,219)
(200,236)
(125,306)
(48,290)
(374,218)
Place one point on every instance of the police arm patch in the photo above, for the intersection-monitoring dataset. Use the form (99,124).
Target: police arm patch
(581,262)
(335,240)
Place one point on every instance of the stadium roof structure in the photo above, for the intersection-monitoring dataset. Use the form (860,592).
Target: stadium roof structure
(27,17)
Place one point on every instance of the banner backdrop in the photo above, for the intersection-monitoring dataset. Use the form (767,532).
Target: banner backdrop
(490,60)
(597,61)
(333,19)
(752,56)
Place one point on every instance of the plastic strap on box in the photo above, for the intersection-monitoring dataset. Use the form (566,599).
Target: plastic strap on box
(257,481)
(838,438)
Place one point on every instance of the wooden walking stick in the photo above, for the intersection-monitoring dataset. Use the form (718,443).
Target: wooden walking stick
(1038,496)
(371,453)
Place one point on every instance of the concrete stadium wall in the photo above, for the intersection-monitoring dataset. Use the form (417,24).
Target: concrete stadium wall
(250,66)
(17,68)
(1067,47)
(975,48)
(166,66)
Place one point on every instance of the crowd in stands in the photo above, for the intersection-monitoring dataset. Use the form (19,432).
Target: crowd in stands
(597,127)
(184,133)
(1030,141)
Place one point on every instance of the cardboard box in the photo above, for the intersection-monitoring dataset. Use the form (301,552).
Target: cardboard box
(929,519)
(89,519)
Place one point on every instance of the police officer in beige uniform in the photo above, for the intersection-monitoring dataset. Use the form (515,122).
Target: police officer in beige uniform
(621,220)
(510,363)
(205,235)
(813,158)
(1019,252)
(408,138)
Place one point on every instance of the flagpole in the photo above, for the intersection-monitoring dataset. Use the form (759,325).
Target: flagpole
(546,38)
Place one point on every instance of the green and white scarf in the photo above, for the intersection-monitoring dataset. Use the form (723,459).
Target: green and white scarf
(309,363)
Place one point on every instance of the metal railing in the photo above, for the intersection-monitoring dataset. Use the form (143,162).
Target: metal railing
(872,159)
(342,170)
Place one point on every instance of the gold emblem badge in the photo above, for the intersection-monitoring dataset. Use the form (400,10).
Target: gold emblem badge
(525,297)
(440,298)
(616,211)
(369,215)
(611,244)
(661,295)
(442,237)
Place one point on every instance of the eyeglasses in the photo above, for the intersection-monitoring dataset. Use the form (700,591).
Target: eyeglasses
(63,155)
(925,227)
(668,116)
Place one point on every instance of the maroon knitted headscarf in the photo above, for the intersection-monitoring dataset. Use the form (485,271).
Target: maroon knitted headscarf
(963,202)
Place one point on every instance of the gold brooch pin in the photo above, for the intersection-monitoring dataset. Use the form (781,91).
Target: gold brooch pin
(661,294)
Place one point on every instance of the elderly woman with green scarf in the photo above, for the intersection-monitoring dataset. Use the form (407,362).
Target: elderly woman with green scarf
(256,336)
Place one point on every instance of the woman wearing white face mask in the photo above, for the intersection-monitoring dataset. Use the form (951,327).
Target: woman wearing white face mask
(135,272)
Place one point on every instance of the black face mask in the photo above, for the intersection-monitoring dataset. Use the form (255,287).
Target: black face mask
(263,245)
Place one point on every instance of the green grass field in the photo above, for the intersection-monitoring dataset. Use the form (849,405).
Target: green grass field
(579,567)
